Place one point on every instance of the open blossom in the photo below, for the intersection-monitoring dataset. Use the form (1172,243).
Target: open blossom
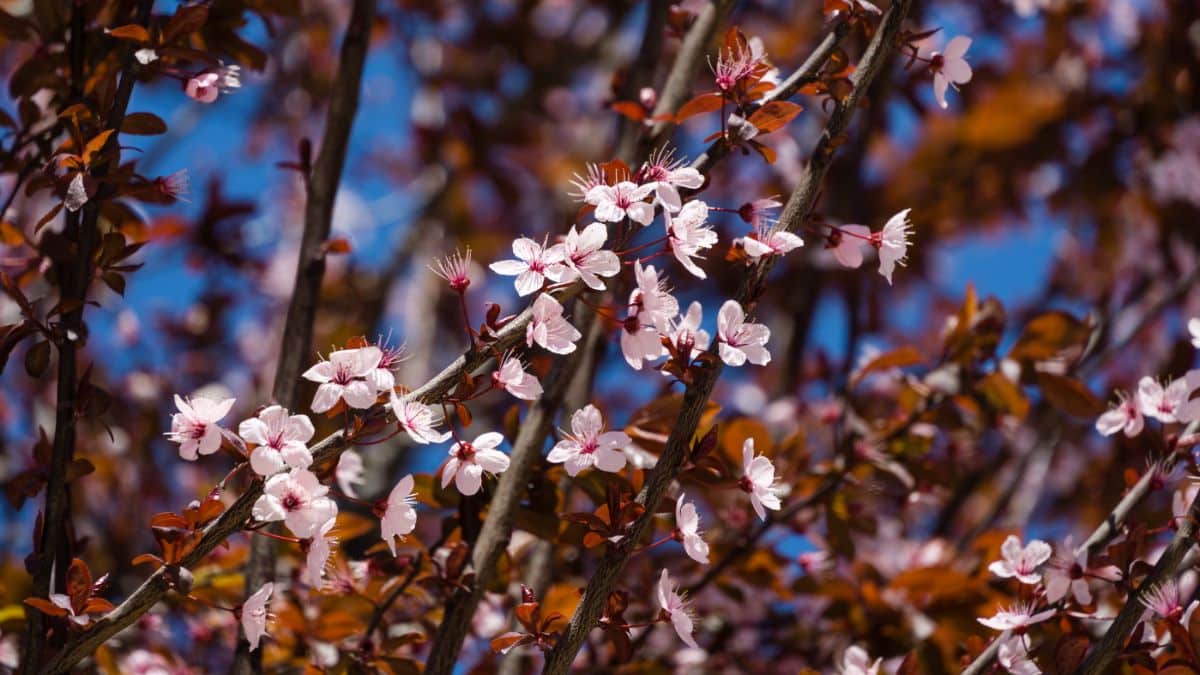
(856,661)
(651,308)
(614,203)
(741,341)
(583,256)
(195,427)
(688,234)
(950,68)
(589,445)
(1159,402)
(769,243)
(737,63)
(512,377)
(549,328)
(1023,563)
(758,480)
(686,334)
(676,608)
(317,550)
(344,377)
(281,439)
(399,518)
(1164,600)
(469,461)
(687,524)
(254,614)
(1017,617)
(298,499)
(532,265)
(349,472)
(1014,658)
(846,242)
(892,243)
(383,377)
(203,87)
(1068,573)
(668,175)
(1125,416)
(417,420)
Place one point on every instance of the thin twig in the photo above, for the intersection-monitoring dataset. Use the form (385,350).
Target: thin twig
(296,343)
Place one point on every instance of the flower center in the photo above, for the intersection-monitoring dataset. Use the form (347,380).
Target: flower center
(466,452)
(292,502)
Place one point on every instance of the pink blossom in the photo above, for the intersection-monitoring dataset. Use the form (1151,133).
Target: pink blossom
(349,472)
(686,334)
(687,525)
(589,445)
(316,558)
(688,234)
(614,203)
(755,212)
(892,243)
(512,377)
(399,517)
(469,461)
(1159,402)
(195,427)
(1125,416)
(950,68)
(1023,563)
(1163,600)
(298,499)
(203,87)
(344,378)
(455,269)
(856,661)
(1070,572)
(549,329)
(382,377)
(1017,617)
(676,608)
(847,243)
(281,439)
(255,616)
(758,480)
(593,177)
(735,64)
(668,175)
(417,420)
(1193,326)
(1013,657)
(651,308)
(741,341)
(583,256)
(768,243)
(532,265)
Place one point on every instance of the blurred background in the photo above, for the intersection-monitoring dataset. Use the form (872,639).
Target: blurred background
(1065,175)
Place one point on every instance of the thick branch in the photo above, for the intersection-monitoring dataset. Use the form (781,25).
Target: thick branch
(797,209)
(296,344)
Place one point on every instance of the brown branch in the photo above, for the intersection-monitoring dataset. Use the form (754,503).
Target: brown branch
(559,659)
(53,554)
(1101,656)
(296,344)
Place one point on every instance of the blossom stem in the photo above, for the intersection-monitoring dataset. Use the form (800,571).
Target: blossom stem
(635,249)
(272,535)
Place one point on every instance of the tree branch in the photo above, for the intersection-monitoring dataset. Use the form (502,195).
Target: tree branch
(803,198)
(296,344)
(53,553)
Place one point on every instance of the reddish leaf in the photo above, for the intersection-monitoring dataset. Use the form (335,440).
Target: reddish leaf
(130,31)
(774,115)
(143,124)
(507,641)
(1070,396)
(701,104)
(631,109)
(45,606)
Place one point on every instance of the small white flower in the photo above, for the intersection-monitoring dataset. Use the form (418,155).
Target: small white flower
(1023,563)
(769,243)
(320,547)
(583,256)
(614,203)
(687,522)
(349,472)
(469,461)
(298,499)
(588,445)
(399,517)
(893,243)
(417,419)
(758,480)
(738,340)
(676,608)
(549,328)
(254,614)
(950,68)
(1016,617)
(532,266)
(1125,417)
(856,661)
(512,377)
(688,234)
(195,426)
(344,377)
(281,439)
(1159,402)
